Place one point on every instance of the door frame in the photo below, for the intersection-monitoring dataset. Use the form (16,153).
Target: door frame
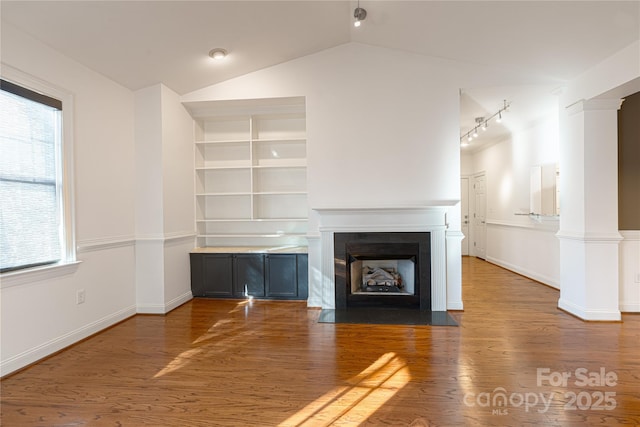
(473,212)
(465,214)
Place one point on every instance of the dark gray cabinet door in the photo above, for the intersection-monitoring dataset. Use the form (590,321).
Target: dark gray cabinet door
(282,275)
(248,272)
(217,275)
(303,276)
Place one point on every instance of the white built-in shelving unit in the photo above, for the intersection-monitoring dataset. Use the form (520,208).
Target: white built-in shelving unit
(250,172)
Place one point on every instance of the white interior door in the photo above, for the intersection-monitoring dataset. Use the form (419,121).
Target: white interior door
(478,220)
(464,213)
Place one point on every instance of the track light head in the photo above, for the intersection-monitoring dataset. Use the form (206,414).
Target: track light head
(360,15)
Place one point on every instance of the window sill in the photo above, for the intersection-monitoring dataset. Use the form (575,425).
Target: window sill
(37,274)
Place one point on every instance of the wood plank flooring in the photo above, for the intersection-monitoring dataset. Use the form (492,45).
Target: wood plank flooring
(235,363)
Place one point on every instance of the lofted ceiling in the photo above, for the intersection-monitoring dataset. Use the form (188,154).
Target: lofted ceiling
(140,43)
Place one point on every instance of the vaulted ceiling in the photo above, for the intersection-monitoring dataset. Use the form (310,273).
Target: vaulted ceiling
(140,43)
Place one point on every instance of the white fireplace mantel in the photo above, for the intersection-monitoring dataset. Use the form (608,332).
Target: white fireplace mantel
(430,218)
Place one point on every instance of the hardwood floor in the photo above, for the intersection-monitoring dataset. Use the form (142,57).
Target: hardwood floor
(238,363)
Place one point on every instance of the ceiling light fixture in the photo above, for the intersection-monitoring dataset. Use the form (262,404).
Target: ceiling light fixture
(218,53)
(483,123)
(360,15)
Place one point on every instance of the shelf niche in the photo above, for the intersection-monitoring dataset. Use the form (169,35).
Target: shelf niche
(250,172)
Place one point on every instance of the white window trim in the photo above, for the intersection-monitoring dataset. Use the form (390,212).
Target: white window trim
(69,263)
(38,274)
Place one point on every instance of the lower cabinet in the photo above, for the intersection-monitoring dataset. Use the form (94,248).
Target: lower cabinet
(239,275)
(248,275)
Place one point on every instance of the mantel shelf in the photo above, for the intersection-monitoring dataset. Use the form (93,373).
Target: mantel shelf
(436,205)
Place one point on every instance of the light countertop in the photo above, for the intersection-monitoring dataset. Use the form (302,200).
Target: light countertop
(251,250)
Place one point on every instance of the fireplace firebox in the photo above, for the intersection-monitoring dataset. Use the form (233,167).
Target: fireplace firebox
(382,269)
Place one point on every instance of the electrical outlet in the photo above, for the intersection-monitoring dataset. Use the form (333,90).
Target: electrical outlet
(637,277)
(80,296)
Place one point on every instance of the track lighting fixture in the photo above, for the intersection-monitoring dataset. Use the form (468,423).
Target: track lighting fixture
(360,15)
(483,123)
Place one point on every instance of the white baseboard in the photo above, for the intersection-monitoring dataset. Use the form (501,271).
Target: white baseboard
(455,305)
(582,313)
(35,354)
(164,308)
(178,301)
(630,307)
(527,273)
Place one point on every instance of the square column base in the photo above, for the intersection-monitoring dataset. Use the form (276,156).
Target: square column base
(589,281)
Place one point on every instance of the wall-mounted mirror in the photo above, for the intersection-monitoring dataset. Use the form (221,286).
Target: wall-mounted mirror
(544,190)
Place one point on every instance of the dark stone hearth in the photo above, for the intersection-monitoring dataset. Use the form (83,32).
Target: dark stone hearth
(351,247)
(389,316)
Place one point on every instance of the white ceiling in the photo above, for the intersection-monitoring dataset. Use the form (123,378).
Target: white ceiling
(141,43)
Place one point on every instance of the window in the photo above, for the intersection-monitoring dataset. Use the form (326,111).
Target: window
(33,218)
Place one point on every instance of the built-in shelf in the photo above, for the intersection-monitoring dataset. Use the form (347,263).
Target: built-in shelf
(250,172)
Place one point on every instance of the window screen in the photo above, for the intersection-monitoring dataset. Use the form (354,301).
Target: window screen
(31,223)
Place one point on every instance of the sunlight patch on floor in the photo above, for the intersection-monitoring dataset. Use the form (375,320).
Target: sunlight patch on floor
(218,345)
(178,362)
(354,403)
(212,331)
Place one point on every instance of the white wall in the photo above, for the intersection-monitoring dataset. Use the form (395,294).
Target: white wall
(382,125)
(518,242)
(39,311)
(630,271)
(466,164)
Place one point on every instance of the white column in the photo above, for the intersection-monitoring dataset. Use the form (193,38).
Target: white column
(150,278)
(454,270)
(438,270)
(315,271)
(588,233)
(328,271)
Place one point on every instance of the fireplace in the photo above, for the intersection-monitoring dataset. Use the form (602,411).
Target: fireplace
(443,250)
(382,269)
